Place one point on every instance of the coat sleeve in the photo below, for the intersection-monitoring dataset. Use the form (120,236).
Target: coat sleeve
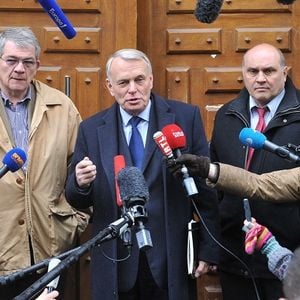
(281,186)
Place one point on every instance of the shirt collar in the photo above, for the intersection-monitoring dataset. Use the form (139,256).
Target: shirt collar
(272,105)
(6,100)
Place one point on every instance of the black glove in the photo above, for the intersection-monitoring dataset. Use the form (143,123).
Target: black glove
(197,165)
(174,168)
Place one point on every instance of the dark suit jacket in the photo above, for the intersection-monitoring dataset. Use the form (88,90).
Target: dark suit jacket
(283,220)
(101,138)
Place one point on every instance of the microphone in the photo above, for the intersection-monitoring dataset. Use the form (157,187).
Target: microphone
(162,143)
(52,285)
(207,11)
(13,160)
(285,1)
(59,18)
(257,140)
(176,139)
(134,194)
(119,163)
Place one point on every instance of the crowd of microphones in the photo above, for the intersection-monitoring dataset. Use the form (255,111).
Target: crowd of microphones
(132,195)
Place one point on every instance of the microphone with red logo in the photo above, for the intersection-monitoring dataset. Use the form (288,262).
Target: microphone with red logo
(177,140)
(162,143)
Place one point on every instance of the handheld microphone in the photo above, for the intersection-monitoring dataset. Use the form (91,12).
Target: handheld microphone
(162,143)
(134,194)
(119,164)
(177,140)
(52,285)
(257,140)
(59,18)
(13,160)
(207,11)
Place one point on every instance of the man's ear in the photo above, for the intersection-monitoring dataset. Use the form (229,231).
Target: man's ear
(109,86)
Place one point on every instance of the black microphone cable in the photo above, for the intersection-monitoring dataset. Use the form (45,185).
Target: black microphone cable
(226,249)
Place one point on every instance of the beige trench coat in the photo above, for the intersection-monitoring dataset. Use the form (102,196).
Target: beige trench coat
(32,203)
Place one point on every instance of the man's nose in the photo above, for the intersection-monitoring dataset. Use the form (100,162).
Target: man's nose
(260,76)
(19,66)
(132,87)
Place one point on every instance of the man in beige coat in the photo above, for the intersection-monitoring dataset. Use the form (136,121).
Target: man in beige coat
(36,220)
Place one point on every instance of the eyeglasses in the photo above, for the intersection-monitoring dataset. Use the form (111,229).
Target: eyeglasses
(13,62)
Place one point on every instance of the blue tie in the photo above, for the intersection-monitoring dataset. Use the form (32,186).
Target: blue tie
(136,145)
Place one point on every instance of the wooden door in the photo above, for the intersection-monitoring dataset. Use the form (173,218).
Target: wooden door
(194,62)
(200,63)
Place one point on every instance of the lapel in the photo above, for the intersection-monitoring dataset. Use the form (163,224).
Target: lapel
(108,138)
(160,116)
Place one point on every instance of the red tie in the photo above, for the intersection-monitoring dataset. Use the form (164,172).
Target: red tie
(261,125)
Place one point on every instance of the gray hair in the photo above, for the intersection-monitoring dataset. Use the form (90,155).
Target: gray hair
(128,54)
(23,37)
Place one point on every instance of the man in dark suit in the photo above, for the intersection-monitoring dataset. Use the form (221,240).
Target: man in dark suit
(160,272)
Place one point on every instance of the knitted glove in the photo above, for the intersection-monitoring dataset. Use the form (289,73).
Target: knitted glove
(256,237)
(197,165)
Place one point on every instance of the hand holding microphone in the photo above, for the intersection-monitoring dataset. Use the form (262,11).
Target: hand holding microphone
(48,296)
(197,165)
(177,140)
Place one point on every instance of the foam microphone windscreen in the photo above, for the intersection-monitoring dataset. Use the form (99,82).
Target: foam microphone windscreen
(175,136)
(14,159)
(287,2)
(132,184)
(252,138)
(207,11)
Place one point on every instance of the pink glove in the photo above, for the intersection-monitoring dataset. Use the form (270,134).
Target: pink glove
(256,236)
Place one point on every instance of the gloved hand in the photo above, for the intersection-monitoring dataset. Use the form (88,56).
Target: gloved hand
(256,236)
(197,165)
(174,168)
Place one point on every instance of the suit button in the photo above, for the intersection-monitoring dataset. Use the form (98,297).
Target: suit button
(21,222)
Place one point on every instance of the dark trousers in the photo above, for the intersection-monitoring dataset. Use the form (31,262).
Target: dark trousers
(236,287)
(145,287)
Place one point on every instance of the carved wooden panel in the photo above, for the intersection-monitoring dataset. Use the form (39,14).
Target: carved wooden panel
(87,40)
(178,83)
(88,83)
(183,6)
(193,40)
(281,38)
(223,79)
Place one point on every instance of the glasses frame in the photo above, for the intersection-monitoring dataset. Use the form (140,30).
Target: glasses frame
(12,61)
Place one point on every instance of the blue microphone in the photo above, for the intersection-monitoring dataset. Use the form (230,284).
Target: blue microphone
(13,161)
(257,140)
(252,138)
(59,18)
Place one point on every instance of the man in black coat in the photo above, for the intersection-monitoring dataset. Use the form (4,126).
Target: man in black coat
(161,272)
(266,85)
